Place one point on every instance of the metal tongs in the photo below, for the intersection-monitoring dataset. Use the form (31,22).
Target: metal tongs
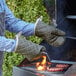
(46,54)
(69,37)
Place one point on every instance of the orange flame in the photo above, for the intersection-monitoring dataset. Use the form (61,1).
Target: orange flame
(41,65)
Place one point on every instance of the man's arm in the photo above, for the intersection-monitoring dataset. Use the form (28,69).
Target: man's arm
(7,45)
(16,25)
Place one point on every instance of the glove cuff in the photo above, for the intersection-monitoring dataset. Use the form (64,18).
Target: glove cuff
(40,28)
(36,23)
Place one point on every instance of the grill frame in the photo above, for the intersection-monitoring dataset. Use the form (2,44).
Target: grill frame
(20,71)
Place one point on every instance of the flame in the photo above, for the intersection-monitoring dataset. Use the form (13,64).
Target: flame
(41,65)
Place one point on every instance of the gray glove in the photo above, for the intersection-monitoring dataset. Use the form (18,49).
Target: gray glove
(29,49)
(51,34)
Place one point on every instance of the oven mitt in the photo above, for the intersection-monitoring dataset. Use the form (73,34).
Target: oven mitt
(29,49)
(50,33)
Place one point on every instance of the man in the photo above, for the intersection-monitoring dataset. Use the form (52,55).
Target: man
(8,22)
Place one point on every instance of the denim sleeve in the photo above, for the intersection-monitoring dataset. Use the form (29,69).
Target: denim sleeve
(7,45)
(16,25)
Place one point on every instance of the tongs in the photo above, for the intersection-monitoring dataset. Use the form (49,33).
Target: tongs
(70,37)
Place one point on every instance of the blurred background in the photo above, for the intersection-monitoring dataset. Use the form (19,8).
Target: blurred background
(27,10)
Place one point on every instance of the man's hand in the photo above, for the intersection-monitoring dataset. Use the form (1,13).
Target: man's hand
(50,33)
(31,50)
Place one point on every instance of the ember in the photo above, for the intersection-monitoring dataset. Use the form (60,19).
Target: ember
(41,65)
(44,65)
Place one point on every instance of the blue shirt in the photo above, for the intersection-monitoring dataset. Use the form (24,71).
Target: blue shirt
(15,25)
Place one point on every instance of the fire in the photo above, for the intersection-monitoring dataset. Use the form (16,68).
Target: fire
(41,65)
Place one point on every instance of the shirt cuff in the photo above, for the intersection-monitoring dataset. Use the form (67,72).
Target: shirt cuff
(28,30)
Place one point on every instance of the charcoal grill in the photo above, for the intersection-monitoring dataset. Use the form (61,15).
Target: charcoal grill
(26,68)
(27,71)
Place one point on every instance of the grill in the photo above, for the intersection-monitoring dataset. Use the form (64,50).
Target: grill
(26,68)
